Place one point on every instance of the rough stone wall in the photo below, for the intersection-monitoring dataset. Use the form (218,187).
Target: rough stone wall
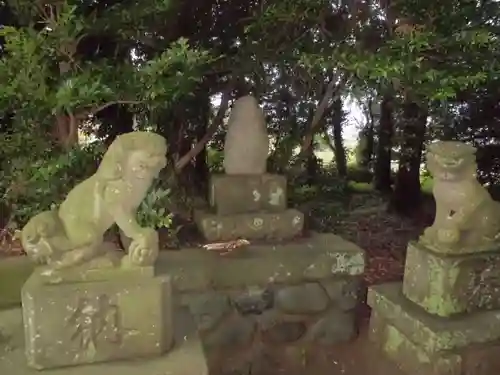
(320,312)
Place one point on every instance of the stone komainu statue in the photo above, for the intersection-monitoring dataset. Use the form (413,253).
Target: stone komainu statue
(73,233)
(466,215)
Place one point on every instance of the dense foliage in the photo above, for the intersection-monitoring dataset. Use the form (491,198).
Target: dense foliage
(416,70)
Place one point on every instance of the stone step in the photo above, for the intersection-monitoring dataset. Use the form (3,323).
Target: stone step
(250,226)
(236,194)
(425,344)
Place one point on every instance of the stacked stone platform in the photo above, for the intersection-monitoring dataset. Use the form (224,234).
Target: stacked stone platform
(252,207)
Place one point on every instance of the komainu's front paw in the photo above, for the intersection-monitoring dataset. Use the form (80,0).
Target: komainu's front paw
(144,250)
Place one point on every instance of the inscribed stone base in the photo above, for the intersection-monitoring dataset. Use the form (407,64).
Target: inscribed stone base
(185,358)
(237,194)
(251,226)
(445,285)
(423,344)
(88,322)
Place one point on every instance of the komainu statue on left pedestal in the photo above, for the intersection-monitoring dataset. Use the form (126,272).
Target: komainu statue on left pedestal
(73,233)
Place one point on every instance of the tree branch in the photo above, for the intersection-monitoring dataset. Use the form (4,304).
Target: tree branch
(332,90)
(98,109)
(217,121)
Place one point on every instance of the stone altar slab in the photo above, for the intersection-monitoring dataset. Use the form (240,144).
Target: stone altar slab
(77,323)
(237,194)
(424,344)
(251,226)
(185,358)
(446,285)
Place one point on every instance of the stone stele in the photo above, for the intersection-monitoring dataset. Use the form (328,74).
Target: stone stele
(467,218)
(87,302)
(247,144)
(238,194)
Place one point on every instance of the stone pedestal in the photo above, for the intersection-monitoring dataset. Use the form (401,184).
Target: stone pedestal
(445,284)
(444,319)
(98,320)
(186,357)
(250,207)
(425,344)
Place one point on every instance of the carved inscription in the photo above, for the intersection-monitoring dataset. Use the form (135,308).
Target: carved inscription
(93,321)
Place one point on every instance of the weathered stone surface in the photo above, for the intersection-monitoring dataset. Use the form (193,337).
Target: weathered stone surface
(246,147)
(343,292)
(238,194)
(413,359)
(14,271)
(71,236)
(254,301)
(302,299)
(334,327)
(185,358)
(302,260)
(233,332)
(79,323)
(467,218)
(344,258)
(251,226)
(445,285)
(283,332)
(209,309)
(435,333)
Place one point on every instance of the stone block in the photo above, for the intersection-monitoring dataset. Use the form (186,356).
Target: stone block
(424,344)
(446,285)
(308,298)
(335,326)
(238,194)
(187,357)
(250,226)
(320,257)
(344,291)
(14,271)
(88,322)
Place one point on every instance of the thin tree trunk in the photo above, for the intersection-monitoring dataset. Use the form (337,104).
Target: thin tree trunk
(338,142)
(407,195)
(200,145)
(201,160)
(370,134)
(66,131)
(382,178)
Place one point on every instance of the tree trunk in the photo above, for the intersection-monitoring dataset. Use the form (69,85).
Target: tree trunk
(407,195)
(201,162)
(65,131)
(115,120)
(338,142)
(370,134)
(382,178)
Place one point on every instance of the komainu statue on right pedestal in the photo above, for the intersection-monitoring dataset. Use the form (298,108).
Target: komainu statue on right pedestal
(467,218)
